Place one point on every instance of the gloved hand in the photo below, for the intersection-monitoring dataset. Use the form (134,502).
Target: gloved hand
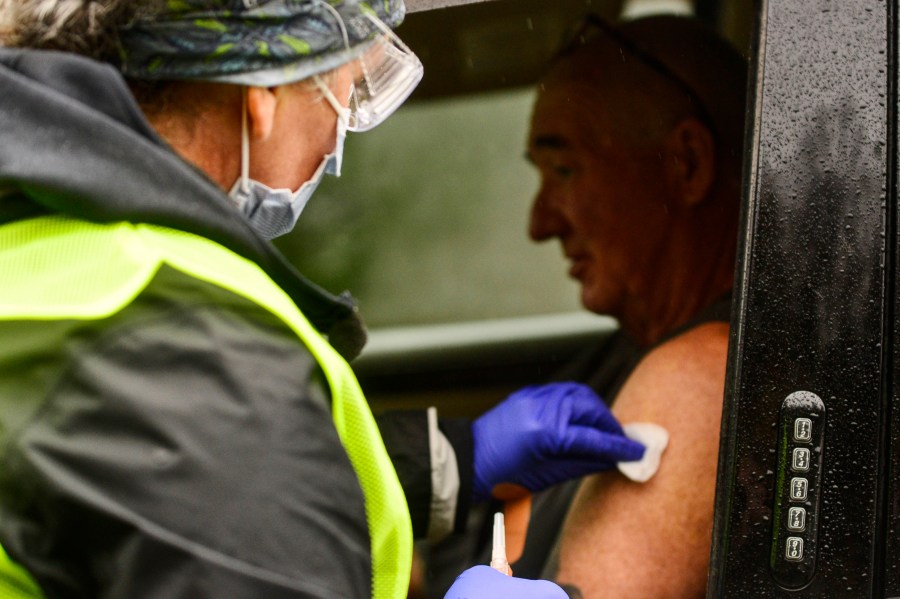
(546,434)
(482,582)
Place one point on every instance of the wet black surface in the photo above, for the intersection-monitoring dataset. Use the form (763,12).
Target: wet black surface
(812,307)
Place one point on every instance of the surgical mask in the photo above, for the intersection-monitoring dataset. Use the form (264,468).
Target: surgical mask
(274,212)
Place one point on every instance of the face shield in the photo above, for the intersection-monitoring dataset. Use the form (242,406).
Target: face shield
(389,74)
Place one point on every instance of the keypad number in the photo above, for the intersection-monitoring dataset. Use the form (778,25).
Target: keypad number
(793,550)
(796,521)
(803,430)
(800,459)
(799,489)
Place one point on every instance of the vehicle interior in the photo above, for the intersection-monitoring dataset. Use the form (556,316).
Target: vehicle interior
(427,228)
(461,306)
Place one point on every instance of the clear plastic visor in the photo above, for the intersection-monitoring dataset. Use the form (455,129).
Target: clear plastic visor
(389,74)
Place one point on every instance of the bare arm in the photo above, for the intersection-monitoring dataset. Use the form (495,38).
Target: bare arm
(626,540)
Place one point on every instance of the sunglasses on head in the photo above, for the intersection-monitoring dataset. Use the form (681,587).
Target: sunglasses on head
(594,27)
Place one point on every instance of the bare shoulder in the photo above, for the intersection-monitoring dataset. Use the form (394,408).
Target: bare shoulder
(702,341)
(618,530)
(687,368)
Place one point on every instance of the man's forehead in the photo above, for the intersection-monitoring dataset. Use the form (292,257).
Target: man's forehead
(564,122)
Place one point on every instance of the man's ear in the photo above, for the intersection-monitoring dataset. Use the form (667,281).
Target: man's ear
(261,105)
(691,160)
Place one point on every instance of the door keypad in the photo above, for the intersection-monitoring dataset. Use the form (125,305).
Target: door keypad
(798,480)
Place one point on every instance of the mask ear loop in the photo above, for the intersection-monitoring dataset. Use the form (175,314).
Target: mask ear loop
(245,144)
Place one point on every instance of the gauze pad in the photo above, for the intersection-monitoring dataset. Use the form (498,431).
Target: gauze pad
(655,438)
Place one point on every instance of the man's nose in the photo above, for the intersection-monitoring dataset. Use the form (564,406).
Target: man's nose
(546,222)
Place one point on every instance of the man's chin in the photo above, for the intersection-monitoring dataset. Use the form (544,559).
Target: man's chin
(596,302)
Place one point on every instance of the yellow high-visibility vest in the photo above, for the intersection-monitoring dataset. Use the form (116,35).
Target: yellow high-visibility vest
(54,268)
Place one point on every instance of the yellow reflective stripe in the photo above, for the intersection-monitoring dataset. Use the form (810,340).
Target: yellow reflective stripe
(50,269)
(15,581)
(390,527)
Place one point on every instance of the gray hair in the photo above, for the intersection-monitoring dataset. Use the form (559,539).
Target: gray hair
(87,27)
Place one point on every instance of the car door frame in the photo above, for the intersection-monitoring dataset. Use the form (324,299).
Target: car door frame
(815,311)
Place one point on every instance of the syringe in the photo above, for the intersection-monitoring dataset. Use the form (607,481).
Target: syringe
(498,552)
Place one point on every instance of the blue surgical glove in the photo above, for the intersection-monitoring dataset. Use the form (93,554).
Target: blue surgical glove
(482,582)
(543,435)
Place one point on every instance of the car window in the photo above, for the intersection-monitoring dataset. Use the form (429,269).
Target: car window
(428,223)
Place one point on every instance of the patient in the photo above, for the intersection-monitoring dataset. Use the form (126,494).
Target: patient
(637,135)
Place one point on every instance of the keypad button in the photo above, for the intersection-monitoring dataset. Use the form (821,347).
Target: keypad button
(796,519)
(800,459)
(793,549)
(803,430)
(799,489)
